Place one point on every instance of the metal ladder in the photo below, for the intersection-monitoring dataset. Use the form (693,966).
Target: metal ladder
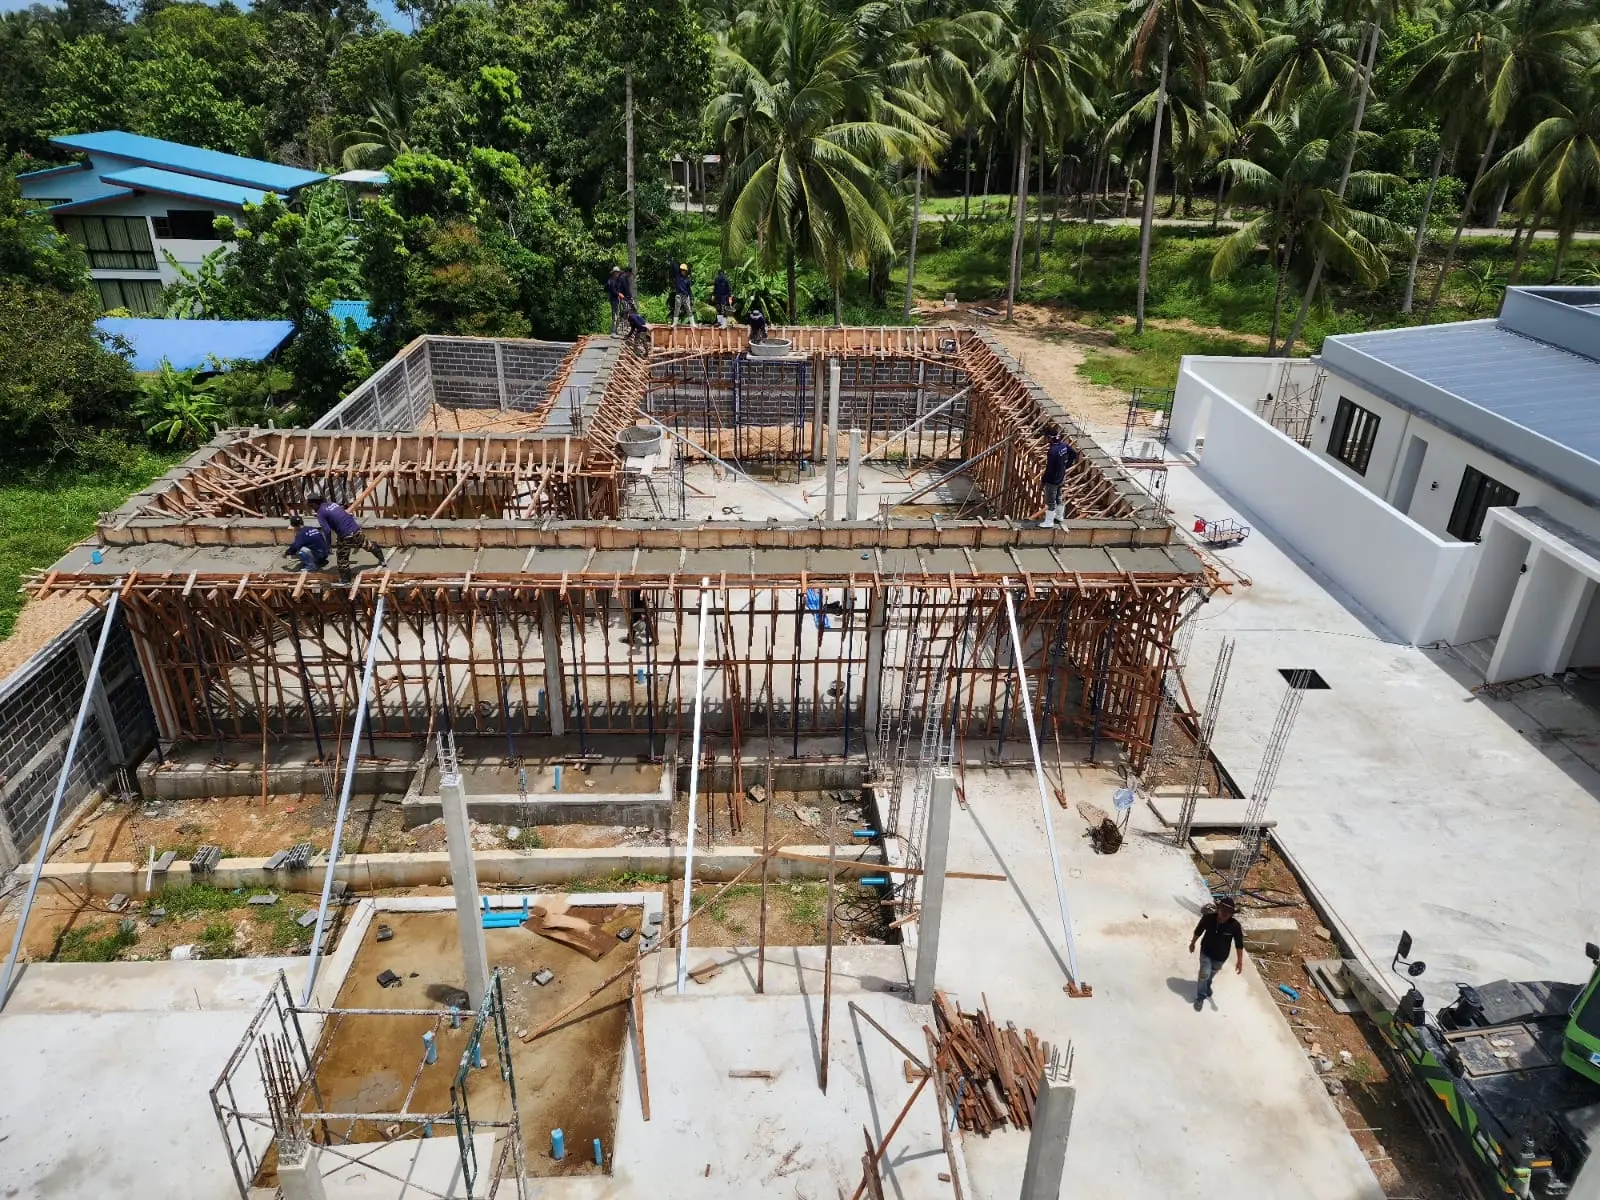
(935,754)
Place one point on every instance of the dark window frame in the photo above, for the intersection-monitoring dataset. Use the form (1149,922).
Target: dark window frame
(1354,433)
(111,243)
(186,225)
(1475,496)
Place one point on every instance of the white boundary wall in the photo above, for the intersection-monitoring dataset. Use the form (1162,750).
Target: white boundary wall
(1409,580)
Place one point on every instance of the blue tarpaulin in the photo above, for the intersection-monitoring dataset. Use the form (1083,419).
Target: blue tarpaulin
(188,344)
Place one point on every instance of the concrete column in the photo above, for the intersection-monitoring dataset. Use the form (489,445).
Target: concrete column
(464,879)
(1047,1141)
(500,373)
(877,621)
(832,447)
(816,420)
(852,479)
(554,687)
(1547,610)
(299,1172)
(100,703)
(935,851)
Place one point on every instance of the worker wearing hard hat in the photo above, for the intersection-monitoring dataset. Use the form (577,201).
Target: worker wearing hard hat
(682,296)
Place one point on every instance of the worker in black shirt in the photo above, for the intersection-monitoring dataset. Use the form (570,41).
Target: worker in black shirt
(615,291)
(1217,929)
(1058,459)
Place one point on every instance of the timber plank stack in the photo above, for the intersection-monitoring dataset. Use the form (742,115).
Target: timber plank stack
(990,1072)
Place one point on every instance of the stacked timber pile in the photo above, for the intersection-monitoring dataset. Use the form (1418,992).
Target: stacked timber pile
(991,1074)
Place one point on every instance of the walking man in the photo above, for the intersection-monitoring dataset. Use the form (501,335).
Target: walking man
(614,294)
(1218,928)
(309,545)
(682,296)
(344,531)
(1058,459)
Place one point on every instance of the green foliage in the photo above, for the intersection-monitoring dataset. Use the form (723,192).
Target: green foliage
(217,940)
(94,943)
(526,839)
(42,513)
(1151,359)
(176,410)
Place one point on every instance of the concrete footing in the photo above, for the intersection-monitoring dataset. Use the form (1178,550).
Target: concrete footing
(300,1172)
(496,868)
(1270,935)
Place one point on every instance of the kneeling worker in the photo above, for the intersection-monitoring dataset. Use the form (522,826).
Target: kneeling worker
(309,545)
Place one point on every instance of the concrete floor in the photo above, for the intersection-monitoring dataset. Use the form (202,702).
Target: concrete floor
(107,1071)
(1171,1103)
(1406,800)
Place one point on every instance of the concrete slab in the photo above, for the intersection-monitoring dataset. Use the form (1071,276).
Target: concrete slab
(107,1074)
(1171,1102)
(1406,800)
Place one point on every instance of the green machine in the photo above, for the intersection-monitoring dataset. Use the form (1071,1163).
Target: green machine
(1514,1069)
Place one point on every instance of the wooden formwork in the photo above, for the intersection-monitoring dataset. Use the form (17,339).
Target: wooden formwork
(490,657)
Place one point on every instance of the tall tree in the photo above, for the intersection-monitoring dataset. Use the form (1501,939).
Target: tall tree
(1041,71)
(1492,53)
(794,112)
(1190,33)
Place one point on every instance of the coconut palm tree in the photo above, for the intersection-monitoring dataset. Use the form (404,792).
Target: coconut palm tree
(798,118)
(1295,174)
(1194,32)
(1304,45)
(1040,71)
(1489,55)
(1560,161)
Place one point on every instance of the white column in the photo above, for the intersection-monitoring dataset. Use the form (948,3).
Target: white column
(934,856)
(299,1172)
(694,787)
(554,686)
(852,482)
(464,880)
(1047,1141)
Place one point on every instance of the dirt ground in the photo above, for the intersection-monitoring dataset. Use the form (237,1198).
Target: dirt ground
(470,420)
(796,914)
(794,819)
(37,623)
(1372,1103)
(569,1079)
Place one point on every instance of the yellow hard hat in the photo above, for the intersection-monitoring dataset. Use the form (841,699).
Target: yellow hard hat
(683,266)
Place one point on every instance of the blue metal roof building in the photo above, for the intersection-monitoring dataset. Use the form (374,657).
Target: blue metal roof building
(138,205)
(190,344)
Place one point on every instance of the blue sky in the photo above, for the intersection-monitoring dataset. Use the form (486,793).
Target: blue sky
(384,8)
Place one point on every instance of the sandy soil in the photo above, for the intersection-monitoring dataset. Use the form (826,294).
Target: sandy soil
(37,623)
(1373,1105)
(1050,345)
(569,1079)
(472,420)
(795,819)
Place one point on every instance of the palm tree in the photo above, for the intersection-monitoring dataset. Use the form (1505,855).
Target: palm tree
(1195,31)
(1560,159)
(1040,71)
(1492,53)
(1304,46)
(934,63)
(387,133)
(1295,173)
(798,119)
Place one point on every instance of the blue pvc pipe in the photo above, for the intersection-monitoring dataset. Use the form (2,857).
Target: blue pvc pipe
(430,1052)
(599,1155)
(558,1145)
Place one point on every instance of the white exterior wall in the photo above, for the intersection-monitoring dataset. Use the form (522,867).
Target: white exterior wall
(187,252)
(1446,459)
(1410,580)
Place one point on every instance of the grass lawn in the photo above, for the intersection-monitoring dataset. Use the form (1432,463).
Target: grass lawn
(1152,361)
(41,518)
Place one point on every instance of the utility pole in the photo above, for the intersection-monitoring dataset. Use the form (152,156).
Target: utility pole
(633,245)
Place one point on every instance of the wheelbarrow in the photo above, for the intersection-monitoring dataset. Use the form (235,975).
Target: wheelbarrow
(1220,533)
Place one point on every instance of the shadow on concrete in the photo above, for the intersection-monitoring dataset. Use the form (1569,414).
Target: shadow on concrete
(1021,898)
(1182,985)
(1560,721)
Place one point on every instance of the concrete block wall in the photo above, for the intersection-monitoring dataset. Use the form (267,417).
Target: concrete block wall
(37,706)
(395,398)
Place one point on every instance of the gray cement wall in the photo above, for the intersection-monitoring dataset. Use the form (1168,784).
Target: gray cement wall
(38,703)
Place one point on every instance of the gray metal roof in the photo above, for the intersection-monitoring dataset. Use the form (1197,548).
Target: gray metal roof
(1521,398)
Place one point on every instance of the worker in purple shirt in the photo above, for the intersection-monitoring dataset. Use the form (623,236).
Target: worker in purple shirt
(1058,459)
(344,532)
(310,544)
